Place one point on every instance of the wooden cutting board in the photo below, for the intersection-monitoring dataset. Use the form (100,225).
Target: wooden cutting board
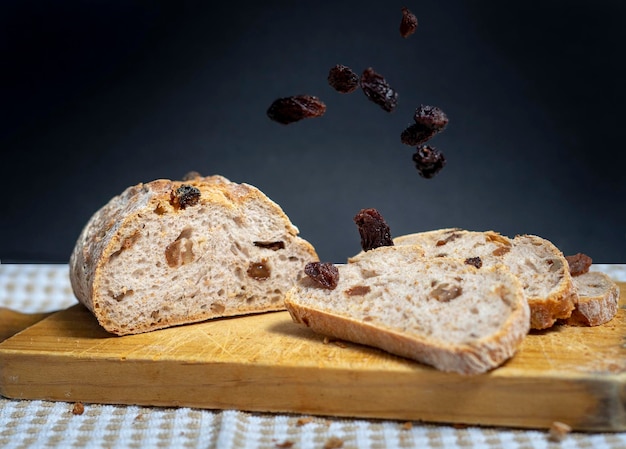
(267,363)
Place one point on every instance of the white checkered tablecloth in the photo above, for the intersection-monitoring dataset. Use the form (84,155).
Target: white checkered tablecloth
(44,288)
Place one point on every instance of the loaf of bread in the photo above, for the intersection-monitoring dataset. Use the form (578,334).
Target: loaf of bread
(166,253)
(539,264)
(438,311)
(598,298)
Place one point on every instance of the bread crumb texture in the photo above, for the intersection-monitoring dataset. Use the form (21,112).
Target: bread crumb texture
(168,252)
(439,311)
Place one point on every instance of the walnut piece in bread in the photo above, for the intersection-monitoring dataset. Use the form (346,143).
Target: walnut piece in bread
(166,253)
(438,311)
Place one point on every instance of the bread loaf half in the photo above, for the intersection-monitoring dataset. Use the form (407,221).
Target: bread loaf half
(438,311)
(598,298)
(168,252)
(539,264)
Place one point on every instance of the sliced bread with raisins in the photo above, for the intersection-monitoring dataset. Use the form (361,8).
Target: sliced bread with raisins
(598,298)
(539,264)
(166,253)
(438,311)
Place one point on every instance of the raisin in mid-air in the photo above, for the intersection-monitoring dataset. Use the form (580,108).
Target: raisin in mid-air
(376,88)
(292,109)
(428,161)
(416,134)
(429,120)
(343,79)
(431,117)
(324,273)
(373,229)
(408,24)
(579,263)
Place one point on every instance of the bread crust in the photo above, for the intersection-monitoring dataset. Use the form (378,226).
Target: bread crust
(148,212)
(473,356)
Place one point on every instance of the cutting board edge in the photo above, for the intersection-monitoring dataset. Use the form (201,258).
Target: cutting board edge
(608,419)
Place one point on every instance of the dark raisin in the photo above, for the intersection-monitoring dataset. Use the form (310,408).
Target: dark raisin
(259,270)
(343,79)
(408,24)
(431,116)
(376,88)
(579,263)
(428,161)
(292,109)
(185,196)
(373,229)
(416,134)
(475,261)
(274,246)
(324,273)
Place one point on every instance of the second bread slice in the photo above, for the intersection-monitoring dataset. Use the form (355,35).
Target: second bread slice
(540,266)
(438,311)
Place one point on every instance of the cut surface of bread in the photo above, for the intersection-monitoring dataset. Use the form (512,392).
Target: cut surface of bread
(168,252)
(539,264)
(438,311)
(598,298)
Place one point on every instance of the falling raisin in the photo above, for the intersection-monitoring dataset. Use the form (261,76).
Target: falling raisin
(475,261)
(408,24)
(428,161)
(373,229)
(185,196)
(431,117)
(376,88)
(579,263)
(416,134)
(324,273)
(343,79)
(292,109)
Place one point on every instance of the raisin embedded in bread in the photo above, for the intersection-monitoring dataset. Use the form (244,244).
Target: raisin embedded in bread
(540,266)
(438,311)
(167,252)
(598,298)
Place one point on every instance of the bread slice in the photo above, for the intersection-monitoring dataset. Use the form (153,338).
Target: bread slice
(438,311)
(539,264)
(168,252)
(598,298)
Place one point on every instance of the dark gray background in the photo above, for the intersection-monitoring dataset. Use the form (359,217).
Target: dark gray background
(100,95)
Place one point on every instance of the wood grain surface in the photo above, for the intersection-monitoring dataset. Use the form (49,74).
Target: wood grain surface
(576,375)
